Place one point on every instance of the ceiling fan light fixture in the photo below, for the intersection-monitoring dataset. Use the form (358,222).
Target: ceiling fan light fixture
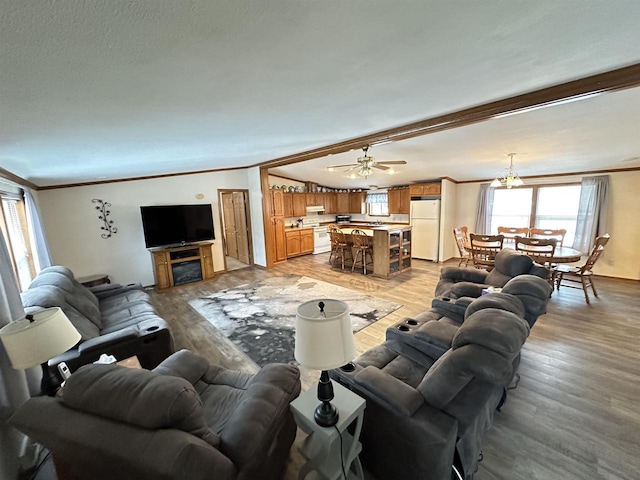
(331,169)
(511,179)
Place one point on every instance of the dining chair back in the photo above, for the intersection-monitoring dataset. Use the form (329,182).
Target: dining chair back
(462,241)
(511,232)
(540,250)
(584,274)
(362,245)
(558,234)
(484,249)
(339,247)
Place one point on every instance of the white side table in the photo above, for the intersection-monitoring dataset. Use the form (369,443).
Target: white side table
(322,447)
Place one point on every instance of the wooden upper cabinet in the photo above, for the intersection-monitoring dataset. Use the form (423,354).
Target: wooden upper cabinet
(314,199)
(288,204)
(277,203)
(329,202)
(342,203)
(299,204)
(405,201)
(399,200)
(424,189)
(357,202)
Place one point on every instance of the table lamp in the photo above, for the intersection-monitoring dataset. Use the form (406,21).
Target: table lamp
(324,341)
(36,339)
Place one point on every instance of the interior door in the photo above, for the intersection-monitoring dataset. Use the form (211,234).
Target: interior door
(242,227)
(228,212)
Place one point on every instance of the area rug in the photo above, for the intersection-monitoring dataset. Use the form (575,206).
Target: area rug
(259,318)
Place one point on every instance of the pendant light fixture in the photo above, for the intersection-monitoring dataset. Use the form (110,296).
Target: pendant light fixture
(511,179)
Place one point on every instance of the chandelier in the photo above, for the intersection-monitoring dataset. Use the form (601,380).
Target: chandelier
(511,179)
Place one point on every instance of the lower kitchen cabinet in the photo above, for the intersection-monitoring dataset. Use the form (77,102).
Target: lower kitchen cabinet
(299,241)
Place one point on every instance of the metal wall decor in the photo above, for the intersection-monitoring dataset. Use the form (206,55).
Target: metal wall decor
(108,228)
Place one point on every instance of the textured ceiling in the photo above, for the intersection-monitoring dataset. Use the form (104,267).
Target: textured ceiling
(94,90)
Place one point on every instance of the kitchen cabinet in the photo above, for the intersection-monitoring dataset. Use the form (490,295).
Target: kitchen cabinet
(277,203)
(299,204)
(314,199)
(357,202)
(342,202)
(399,200)
(424,189)
(287,200)
(295,205)
(279,236)
(299,241)
(329,202)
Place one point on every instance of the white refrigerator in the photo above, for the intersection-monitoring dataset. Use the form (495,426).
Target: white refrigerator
(425,235)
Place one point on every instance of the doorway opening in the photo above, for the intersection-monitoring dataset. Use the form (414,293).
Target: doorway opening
(236,225)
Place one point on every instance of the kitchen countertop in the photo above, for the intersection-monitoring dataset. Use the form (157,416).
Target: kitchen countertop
(368,226)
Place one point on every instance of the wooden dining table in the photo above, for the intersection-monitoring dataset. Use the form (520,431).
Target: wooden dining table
(566,255)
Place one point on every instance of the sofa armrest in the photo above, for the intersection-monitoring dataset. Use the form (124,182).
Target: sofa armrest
(184,364)
(388,390)
(459,274)
(451,307)
(110,289)
(120,450)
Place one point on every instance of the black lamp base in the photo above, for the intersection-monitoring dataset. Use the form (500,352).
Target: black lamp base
(326,414)
(50,383)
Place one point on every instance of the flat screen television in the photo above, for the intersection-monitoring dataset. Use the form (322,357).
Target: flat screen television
(166,225)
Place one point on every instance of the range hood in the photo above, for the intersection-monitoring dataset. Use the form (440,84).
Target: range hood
(315,209)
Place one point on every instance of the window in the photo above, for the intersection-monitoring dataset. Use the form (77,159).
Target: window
(13,222)
(378,204)
(553,207)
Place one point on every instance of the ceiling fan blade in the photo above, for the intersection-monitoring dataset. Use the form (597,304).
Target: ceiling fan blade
(347,165)
(380,167)
(394,162)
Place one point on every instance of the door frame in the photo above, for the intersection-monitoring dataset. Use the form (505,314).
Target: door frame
(245,193)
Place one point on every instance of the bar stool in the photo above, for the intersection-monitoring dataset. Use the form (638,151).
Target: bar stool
(362,245)
(339,247)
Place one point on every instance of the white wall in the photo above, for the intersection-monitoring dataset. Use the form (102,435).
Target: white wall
(73,229)
(448,209)
(620,259)
(257,222)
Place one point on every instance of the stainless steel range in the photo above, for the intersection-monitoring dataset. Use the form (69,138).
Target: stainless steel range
(321,239)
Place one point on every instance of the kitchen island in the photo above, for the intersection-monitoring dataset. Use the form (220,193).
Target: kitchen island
(391,246)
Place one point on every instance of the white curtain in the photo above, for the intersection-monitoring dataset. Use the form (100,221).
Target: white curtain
(483,210)
(378,197)
(39,245)
(13,383)
(592,212)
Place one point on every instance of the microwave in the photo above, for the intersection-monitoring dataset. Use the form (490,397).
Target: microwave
(343,218)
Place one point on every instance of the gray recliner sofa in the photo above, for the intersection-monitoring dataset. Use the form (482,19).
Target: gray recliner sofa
(115,319)
(458,282)
(186,419)
(426,413)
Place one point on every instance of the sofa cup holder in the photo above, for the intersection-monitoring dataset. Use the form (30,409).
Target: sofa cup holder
(349,367)
(411,322)
(403,328)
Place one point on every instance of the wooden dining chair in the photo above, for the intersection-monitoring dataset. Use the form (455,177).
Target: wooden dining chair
(511,232)
(484,249)
(549,233)
(584,274)
(363,246)
(462,241)
(339,247)
(541,251)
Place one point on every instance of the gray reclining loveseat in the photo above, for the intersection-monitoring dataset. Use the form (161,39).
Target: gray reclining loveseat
(114,319)
(186,419)
(426,413)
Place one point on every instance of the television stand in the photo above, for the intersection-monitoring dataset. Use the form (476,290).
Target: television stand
(173,266)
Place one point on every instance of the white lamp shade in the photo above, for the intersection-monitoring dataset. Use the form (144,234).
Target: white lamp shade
(324,340)
(30,343)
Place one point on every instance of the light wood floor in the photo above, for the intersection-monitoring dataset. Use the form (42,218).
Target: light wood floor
(576,411)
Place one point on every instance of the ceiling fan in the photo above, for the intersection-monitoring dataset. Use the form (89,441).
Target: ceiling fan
(365,165)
